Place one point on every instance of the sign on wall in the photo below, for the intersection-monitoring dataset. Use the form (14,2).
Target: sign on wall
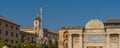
(94,37)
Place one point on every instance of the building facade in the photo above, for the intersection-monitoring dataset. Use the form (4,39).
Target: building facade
(49,36)
(27,34)
(9,31)
(95,34)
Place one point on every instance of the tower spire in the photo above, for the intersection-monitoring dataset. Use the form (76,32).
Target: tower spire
(41,15)
(40,11)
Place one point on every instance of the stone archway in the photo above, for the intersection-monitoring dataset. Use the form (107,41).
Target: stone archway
(65,43)
(50,41)
(46,42)
(65,34)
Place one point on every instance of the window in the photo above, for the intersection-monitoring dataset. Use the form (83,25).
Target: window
(36,28)
(6,25)
(6,40)
(35,22)
(28,38)
(16,35)
(32,39)
(16,28)
(45,35)
(11,41)
(12,26)
(16,41)
(22,37)
(0,23)
(65,43)
(65,35)
(11,33)
(0,31)
(6,33)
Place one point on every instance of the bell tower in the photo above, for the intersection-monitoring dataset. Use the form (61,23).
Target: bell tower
(38,26)
(37,23)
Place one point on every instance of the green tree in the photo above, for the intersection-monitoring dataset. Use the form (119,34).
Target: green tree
(26,44)
(30,45)
(9,44)
(51,45)
(38,46)
(2,43)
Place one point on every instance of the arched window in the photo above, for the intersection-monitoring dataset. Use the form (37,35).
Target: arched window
(65,35)
(65,43)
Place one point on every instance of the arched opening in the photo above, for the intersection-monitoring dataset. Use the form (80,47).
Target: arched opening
(65,34)
(65,43)
(56,42)
(46,42)
(50,41)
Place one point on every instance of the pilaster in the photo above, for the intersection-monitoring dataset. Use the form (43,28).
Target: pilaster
(108,41)
(80,41)
(119,40)
(70,41)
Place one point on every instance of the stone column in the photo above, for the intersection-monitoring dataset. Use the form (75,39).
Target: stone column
(119,41)
(108,41)
(80,41)
(70,41)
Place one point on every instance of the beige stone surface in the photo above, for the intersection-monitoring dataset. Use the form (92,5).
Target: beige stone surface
(95,28)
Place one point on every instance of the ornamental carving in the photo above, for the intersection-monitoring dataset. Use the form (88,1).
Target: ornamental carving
(114,38)
(94,24)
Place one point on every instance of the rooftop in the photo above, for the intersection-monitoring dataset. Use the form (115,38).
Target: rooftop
(38,18)
(113,20)
(5,19)
(27,33)
(51,31)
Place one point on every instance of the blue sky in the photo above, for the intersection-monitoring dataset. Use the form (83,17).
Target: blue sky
(58,13)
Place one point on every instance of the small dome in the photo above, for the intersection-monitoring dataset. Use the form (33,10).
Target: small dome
(94,24)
